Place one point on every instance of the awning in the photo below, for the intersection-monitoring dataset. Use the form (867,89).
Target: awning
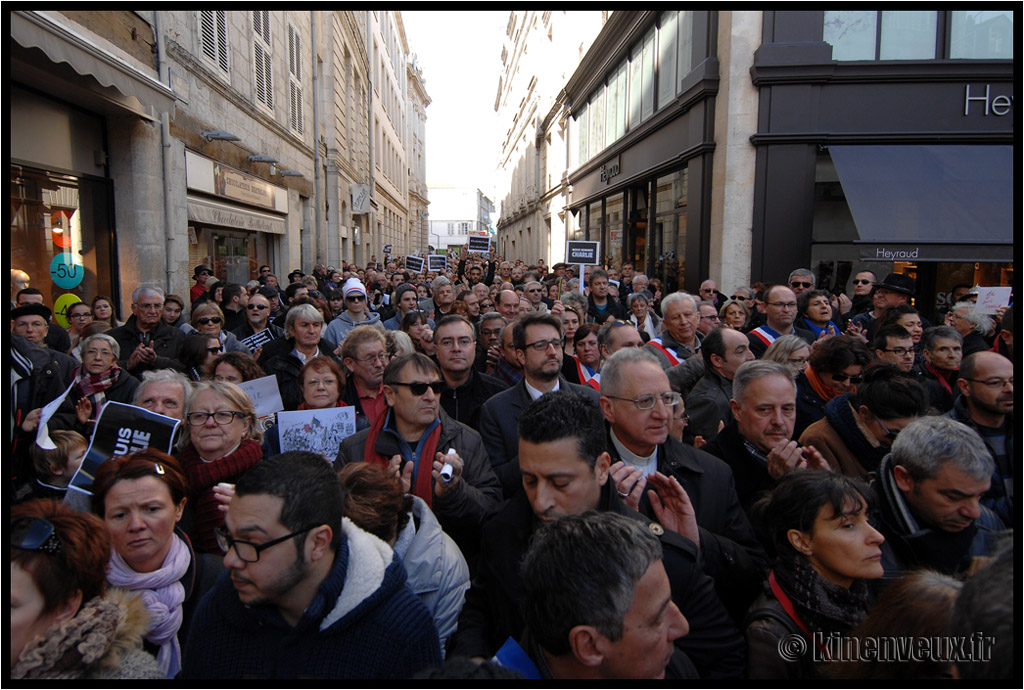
(227,215)
(62,44)
(907,198)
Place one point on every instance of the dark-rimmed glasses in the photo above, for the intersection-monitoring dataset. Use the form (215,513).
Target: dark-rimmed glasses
(220,418)
(246,550)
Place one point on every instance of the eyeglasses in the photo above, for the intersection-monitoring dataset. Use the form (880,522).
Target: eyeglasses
(782,305)
(889,434)
(840,378)
(220,418)
(258,307)
(899,351)
(246,550)
(647,402)
(419,388)
(862,281)
(35,534)
(543,345)
(996,384)
(713,318)
(82,315)
(208,319)
(800,283)
(215,350)
(383,357)
(799,361)
(448,342)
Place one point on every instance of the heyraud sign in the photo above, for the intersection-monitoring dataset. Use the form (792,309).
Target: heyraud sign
(883,254)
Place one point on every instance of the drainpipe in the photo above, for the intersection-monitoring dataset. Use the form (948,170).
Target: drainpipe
(168,164)
(370,216)
(316,139)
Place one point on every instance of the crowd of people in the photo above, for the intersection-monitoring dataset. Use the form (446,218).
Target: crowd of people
(552,475)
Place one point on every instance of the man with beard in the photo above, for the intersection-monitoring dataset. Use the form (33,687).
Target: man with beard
(985,404)
(538,345)
(294,605)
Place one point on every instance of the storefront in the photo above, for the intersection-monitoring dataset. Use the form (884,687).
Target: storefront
(235,219)
(886,143)
(641,139)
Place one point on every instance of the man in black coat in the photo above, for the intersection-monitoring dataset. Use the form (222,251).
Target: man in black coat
(146,342)
(641,446)
(538,344)
(565,472)
(466,389)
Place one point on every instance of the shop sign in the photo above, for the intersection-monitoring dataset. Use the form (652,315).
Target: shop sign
(985,103)
(61,306)
(206,175)
(65,273)
(609,170)
(360,198)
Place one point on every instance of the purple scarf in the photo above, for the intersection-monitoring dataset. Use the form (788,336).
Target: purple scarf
(163,596)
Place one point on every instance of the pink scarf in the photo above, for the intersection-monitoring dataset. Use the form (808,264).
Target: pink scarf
(163,594)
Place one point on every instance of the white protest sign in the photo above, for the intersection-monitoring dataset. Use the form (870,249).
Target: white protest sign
(264,393)
(316,431)
(42,433)
(991,298)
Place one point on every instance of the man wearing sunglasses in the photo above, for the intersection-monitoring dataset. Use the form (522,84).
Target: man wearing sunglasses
(538,343)
(413,439)
(257,314)
(354,314)
(297,572)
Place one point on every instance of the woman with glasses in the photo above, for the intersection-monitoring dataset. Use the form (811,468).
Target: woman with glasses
(208,318)
(99,380)
(197,354)
(858,428)
(65,623)
(734,314)
(834,368)
(322,382)
(79,316)
(791,350)
(815,525)
(141,499)
(221,441)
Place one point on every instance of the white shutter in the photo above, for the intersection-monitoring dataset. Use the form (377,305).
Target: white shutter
(263,70)
(213,36)
(295,111)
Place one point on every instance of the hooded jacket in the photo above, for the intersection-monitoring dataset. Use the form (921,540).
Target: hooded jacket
(341,324)
(363,622)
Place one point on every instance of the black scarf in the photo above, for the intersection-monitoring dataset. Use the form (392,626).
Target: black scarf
(823,606)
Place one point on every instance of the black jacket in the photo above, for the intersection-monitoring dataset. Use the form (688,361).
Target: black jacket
(491,612)
(733,557)
(286,368)
(166,340)
(749,472)
(614,308)
(465,402)
(499,426)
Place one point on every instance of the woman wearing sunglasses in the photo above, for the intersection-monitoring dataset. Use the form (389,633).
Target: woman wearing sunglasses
(834,369)
(221,441)
(858,428)
(65,623)
(208,318)
(141,498)
(197,354)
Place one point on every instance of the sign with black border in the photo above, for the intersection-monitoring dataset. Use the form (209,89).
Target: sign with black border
(437,262)
(414,264)
(583,252)
(478,244)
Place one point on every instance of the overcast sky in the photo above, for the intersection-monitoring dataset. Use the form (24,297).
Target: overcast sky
(460,56)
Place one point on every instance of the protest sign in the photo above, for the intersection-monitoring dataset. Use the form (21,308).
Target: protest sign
(991,298)
(437,262)
(316,431)
(479,245)
(258,340)
(582,252)
(414,264)
(264,393)
(120,430)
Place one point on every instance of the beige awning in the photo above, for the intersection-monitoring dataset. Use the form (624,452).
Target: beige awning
(63,44)
(211,212)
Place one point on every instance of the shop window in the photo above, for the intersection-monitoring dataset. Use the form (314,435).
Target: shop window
(667,46)
(596,110)
(669,236)
(614,238)
(61,236)
(978,35)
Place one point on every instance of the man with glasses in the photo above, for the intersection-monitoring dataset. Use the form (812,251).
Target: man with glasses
(538,343)
(985,404)
(780,316)
(895,289)
(709,318)
(466,389)
(895,345)
(257,314)
(146,342)
(637,402)
(534,293)
(414,440)
(284,611)
(354,314)
(801,279)
(364,354)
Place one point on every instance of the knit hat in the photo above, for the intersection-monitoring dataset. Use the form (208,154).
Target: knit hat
(353,285)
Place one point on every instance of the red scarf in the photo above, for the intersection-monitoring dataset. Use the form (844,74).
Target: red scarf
(425,466)
(824,392)
(94,387)
(942,378)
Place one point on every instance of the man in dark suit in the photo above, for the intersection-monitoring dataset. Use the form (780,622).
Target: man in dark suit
(538,343)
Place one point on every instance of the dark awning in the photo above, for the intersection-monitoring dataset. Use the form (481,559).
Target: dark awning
(916,196)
